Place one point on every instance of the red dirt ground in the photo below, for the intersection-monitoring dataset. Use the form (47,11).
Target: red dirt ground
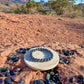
(18,31)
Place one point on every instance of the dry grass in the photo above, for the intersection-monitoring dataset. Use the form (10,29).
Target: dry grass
(73,14)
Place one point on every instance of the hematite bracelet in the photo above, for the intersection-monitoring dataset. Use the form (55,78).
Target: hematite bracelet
(41,60)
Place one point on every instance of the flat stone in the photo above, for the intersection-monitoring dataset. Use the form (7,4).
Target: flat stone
(8,80)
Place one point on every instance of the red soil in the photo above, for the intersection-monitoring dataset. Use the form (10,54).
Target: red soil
(18,31)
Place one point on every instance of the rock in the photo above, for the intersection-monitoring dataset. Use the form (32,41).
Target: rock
(8,80)
(3,74)
(12,73)
(7,74)
(83,81)
(21,50)
(1,81)
(67,53)
(57,76)
(17,69)
(52,73)
(51,82)
(72,53)
(72,79)
(81,77)
(28,49)
(7,70)
(58,50)
(60,57)
(15,59)
(79,81)
(65,60)
(10,61)
(46,81)
(3,69)
(47,76)
(13,77)
(38,82)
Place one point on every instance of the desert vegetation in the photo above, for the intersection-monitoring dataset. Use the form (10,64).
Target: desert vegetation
(52,8)
(64,8)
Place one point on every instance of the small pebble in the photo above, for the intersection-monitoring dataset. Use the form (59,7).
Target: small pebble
(79,81)
(12,73)
(46,81)
(67,53)
(17,69)
(7,74)
(15,59)
(61,61)
(8,80)
(21,50)
(28,48)
(72,79)
(51,82)
(13,77)
(60,57)
(68,57)
(47,76)
(58,50)
(72,53)
(1,81)
(52,73)
(3,74)
(10,61)
(81,77)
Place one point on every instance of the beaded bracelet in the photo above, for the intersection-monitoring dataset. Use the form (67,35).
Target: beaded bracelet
(41,60)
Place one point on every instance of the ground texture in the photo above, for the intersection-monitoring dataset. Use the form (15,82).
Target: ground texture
(18,31)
